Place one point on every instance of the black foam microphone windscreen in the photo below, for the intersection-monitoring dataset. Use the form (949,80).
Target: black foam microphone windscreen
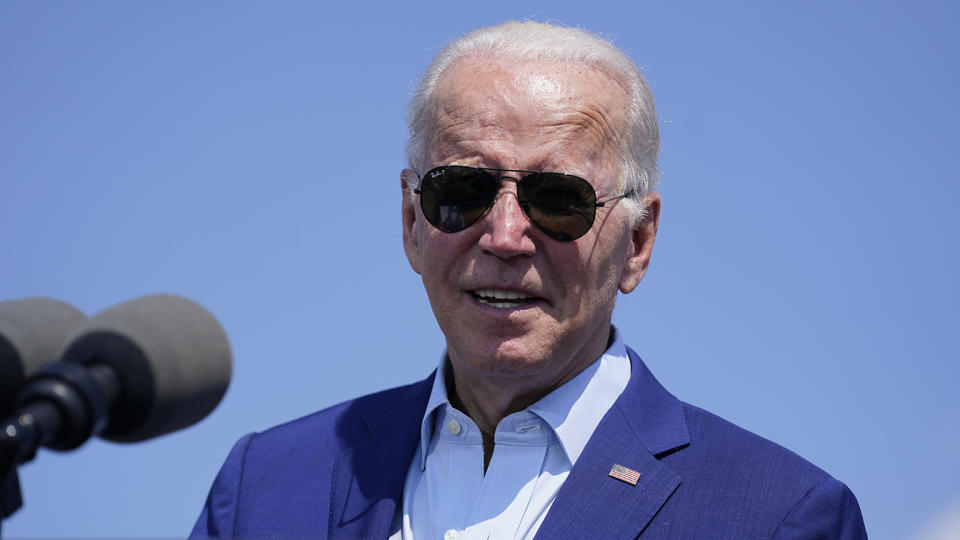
(171,359)
(33,332)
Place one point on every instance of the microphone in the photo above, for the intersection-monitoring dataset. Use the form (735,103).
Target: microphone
(33,331)
(138,370)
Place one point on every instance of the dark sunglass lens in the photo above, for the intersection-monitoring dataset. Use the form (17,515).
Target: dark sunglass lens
(453,198)
(562,205)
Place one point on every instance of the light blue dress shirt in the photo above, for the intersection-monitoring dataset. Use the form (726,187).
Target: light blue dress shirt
(448,496)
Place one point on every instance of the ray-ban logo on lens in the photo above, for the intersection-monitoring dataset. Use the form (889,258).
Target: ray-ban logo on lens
(434,174)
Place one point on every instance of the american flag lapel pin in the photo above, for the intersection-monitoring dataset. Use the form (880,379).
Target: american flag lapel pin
(624,474)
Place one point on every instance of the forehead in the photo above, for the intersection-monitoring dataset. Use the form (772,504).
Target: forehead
(527,114)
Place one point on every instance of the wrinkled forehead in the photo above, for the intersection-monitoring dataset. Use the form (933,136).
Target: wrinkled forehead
(481,101)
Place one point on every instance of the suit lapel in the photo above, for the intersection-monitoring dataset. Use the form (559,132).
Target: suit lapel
(368,478)
(645,422)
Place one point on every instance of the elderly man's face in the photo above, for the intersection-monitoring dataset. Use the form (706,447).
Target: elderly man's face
(542,117)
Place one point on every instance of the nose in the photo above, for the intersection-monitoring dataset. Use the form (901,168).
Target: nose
(507,230)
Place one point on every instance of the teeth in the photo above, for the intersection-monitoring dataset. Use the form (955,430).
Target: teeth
(501,295)
(490,297)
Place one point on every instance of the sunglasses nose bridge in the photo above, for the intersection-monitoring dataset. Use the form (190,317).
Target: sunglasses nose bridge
(505,190)
(506,216)
(505,182)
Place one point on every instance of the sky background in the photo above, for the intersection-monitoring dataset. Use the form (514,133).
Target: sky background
(246,155)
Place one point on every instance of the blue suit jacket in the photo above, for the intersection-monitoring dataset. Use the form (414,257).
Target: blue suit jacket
(339,473)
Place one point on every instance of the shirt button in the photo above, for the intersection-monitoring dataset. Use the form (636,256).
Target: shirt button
(454,427)
(451,534)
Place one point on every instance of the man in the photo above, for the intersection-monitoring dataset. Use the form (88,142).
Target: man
(527,205)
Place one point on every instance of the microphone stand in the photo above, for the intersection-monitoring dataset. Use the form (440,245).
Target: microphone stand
(10,500)
(62,406)
(19,440)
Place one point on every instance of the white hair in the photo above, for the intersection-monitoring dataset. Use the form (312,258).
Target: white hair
(525,41)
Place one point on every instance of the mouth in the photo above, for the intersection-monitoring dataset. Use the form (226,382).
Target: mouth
(502,299)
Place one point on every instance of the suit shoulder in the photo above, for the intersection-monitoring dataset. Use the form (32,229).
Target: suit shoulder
(732,444)
(759,487)
(276,480)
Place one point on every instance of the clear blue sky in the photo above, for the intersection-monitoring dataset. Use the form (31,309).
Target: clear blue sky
(247,155)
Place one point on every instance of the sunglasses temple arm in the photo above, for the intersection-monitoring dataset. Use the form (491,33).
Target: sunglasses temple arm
(611,199)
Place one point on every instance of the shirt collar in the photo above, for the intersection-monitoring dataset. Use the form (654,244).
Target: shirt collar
(438,398)
(573,410)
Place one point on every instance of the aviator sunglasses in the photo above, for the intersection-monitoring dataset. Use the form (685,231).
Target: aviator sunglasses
(454,197)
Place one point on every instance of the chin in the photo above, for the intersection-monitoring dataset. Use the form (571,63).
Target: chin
(506,358)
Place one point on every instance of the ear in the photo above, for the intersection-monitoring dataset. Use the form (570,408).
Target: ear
(411,243)
(641,245)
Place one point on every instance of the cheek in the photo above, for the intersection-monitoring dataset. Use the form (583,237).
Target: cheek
(596,281)
(438,256)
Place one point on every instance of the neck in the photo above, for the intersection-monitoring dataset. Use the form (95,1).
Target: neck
(488,398)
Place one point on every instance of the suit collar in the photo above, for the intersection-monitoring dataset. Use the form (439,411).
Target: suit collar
(368,478)
(644,423)
(654,415)
(379,418)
